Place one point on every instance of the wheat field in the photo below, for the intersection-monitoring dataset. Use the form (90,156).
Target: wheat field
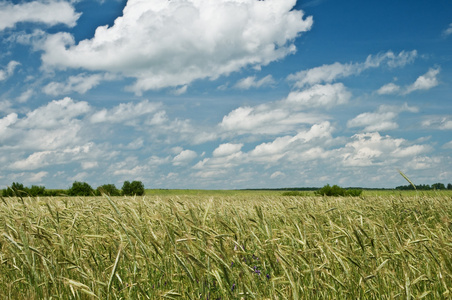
(242,246)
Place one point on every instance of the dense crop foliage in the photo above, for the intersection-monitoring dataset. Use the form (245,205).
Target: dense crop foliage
(230,247)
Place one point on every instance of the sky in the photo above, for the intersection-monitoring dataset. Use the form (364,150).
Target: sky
(225,94)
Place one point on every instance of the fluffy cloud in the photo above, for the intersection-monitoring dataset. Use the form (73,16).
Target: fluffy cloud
(251,82)
(387,89)
(127,112)
(38,12)
(55,114)
(381,120)
(9,70)
(227,149)
(319,96)
(172,43)
(80,83)
(368,149)
(285,115)
(424,82)
(185,157)
(330,73)
(45,158)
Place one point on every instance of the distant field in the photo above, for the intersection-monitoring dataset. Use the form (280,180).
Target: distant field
(227,245)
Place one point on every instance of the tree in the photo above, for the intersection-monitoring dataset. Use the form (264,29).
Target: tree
(80,189)
(134,188)
(336,190)
(37,191)
(449,186)
(109,189)
(438,186)
(16,189)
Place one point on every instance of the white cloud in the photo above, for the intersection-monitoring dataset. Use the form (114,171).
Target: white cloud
(277,174)
(37,177)
(381,120)
(50,12)
(55,114)
(9,70)
(390,88)
(424,82)
(319,96)
(185,157)
(438,122)
(128,112)
(251,82)
(448,31)
(227,149)
(52,157)
(80,83)
(5,123)
(369,149)
(330,73)
(25,96)
(48,127)
(285,115)
(180,91)
(172,43)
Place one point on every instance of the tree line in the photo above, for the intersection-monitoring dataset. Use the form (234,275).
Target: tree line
(426,187)
(78,189)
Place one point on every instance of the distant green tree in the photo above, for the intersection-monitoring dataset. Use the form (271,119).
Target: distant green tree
(134,188)
(80,189)
(35,191)
(449,186)
(109,189)
(438,186)
(16,189)
(336,190)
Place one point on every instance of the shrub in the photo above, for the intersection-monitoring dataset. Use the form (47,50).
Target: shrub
(80,189)
(336,190)
(134,188)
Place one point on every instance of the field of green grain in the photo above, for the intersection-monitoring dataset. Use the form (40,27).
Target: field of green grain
(227,246)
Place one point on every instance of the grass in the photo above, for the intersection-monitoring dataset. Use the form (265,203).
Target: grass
(227,246)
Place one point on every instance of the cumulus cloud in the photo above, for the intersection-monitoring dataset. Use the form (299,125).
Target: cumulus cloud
(127,112)
(227,149)
(332,72)
(62,12)
(387,89)
(252,82)
(172,43)
(284,115)
(319,96)
(368,149)
(55,114)
(8,70)
(381,120)
(80,83)
(424,82)
(52,157)
(184,157)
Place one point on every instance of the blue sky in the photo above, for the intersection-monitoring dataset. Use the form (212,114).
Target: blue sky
(225,94)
